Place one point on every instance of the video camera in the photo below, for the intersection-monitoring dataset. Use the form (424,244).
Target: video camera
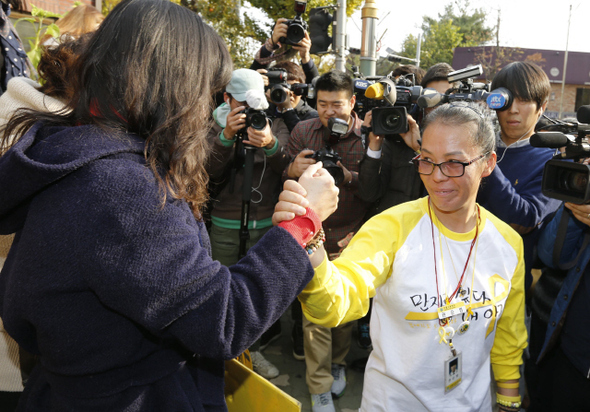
(327,155)
(363,104)
(562,179)
(498,99)
(296,27)
(390,100)
(277,83)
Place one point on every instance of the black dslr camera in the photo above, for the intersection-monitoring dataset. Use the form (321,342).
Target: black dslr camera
(256,119)
(296,27)
(327,155)
(277,83)
(563,179)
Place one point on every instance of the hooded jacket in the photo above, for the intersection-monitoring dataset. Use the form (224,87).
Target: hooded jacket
(115,290)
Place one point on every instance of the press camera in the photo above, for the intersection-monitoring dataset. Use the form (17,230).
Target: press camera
(563,179)
(390,100)
(296,27)
(327,155)
(277,84)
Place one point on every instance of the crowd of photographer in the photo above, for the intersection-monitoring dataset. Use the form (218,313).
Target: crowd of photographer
(417,168)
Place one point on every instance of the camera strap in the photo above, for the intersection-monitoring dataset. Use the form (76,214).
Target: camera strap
(559,240)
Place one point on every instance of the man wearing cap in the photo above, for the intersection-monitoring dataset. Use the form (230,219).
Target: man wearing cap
(227,172)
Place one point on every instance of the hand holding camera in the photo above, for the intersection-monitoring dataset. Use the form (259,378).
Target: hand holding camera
(303,48)
(580,212)
(375,140)
(264,77)
(279,31)
(260,138)
(412,136)
(236,120)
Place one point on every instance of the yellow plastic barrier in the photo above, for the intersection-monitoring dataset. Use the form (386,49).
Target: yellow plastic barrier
(247,391)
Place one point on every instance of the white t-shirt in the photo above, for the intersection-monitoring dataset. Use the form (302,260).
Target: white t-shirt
(392,259)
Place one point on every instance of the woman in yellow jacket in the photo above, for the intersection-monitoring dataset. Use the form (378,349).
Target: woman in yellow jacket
(446,277)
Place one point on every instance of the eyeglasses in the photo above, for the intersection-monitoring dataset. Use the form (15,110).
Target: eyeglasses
(452,168)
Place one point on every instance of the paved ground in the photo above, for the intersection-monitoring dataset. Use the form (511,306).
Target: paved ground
(292,372)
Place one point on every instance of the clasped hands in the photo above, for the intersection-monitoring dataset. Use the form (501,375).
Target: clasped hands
(314,189)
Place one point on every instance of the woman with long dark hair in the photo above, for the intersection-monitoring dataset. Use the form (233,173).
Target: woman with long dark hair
(109,279)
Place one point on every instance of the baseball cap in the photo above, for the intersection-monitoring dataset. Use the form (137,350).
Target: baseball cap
(243,80)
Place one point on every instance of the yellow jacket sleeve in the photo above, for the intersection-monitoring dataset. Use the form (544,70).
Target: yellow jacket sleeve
(341,289)
(511,333)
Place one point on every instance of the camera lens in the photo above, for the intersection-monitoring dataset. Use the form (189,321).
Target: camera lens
(256,120)
(575,181)
(295,33)
(278,94)
(392,121)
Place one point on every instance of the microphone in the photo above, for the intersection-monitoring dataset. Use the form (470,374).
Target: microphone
(375,91)
(384,89)
(553,140)
(499,99)
(583,114)
(431,98)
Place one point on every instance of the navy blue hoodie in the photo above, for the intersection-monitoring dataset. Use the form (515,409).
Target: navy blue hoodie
(116,293)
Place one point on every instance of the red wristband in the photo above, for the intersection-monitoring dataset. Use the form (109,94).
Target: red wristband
(303,228)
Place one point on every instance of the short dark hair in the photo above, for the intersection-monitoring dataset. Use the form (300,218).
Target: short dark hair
(335,81)
(406,69)
(294,71)
(437,72)
(525,80)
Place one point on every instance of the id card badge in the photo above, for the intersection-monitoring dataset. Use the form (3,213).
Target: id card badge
(449,311)
(453,374)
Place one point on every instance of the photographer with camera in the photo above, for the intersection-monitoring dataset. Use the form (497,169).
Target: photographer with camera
(237,128)
(291,104)
(266,54)
(513,190)
(386,176)
(335,134)
(559,343)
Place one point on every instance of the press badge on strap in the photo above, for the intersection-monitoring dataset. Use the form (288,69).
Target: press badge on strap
(453,374)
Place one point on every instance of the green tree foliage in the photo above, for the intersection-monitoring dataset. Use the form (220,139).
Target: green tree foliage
(471,23)
(42,21)
(243,33)
(224,17)
(458,26)
(246,34)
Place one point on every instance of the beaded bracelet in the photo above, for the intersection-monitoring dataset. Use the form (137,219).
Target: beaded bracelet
(315,243)
(508,403)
